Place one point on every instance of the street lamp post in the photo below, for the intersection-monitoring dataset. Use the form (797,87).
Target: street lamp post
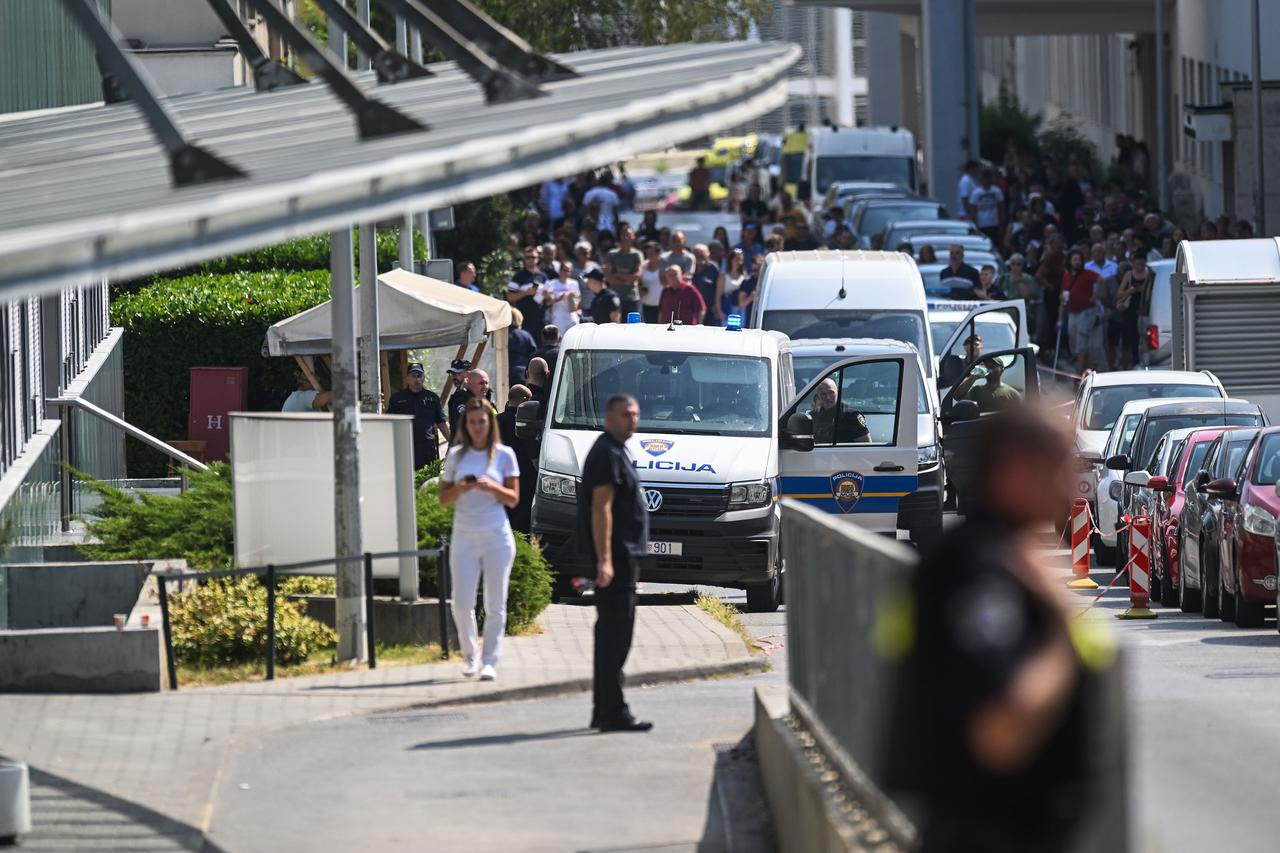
(1259,188)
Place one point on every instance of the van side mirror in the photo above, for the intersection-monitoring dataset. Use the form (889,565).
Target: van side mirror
(529,419)
(1119,462)
(1091,457)
(1137,478)
(797,434)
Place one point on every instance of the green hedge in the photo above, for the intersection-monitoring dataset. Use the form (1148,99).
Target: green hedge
(204,320)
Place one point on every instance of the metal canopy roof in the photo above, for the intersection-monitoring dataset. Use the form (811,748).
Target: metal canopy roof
(87,192)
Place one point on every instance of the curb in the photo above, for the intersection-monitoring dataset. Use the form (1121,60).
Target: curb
(747,666)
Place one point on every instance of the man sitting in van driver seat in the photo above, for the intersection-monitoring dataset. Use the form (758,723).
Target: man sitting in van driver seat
(832,424)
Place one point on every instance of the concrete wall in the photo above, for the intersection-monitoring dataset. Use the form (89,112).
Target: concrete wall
(394,622)
(71,595)
(81,660)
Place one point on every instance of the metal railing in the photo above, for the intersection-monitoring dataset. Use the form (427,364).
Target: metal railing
(65,444)
(272,573)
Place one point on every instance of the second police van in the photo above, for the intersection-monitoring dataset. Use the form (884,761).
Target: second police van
(723,435)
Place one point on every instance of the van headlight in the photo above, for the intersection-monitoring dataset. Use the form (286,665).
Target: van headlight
(746,495)
(1259,522)
(927,456)
(558,487)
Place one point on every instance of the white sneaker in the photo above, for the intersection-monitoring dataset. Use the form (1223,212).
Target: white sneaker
(488,673)
(472,667)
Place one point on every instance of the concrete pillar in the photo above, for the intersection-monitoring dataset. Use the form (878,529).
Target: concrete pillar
(406,242)
(885,79)
(362,9)
(842,47)
(348,540)
(370,362)
(950,91)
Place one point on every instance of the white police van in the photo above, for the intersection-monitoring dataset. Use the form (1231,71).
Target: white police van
(722,436)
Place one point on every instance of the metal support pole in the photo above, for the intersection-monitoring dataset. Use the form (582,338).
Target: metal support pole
(271,623)
(368,599)
(842,26)
(370,362)
(162,583)
(442,593)
(406,242)
(1162,113)
(346,457)
(64,475)
(416,45)
(402,35)
(337,42)
(1259,187)
(422,224)
(362,9)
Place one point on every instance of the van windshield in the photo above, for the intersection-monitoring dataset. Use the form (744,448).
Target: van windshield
(679,392)
(857,167)
(905,326)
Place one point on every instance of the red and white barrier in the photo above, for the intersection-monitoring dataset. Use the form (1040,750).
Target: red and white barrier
(1081,529)
(1139,570)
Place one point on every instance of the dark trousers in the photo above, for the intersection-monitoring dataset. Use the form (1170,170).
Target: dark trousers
(615,621)
(650,313)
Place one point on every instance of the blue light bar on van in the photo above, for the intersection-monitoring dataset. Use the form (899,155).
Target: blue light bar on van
(734,323)
(633,317)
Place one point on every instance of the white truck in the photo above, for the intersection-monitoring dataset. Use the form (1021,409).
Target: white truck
(1226,316)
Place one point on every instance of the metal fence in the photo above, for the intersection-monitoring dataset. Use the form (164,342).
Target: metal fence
(840,578)
(272,573)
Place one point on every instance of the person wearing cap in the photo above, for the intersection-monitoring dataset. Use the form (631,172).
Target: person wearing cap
(473,385)
(428,415)
(607,307)
(305,398)
(972,348)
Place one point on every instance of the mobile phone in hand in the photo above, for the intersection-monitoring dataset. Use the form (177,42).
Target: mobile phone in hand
(470,478)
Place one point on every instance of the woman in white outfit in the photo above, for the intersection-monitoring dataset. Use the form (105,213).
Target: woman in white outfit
(482,477)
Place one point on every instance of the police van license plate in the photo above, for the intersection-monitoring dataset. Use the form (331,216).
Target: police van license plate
(665,549)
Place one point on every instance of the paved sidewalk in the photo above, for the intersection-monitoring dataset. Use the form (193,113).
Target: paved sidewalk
(135,772)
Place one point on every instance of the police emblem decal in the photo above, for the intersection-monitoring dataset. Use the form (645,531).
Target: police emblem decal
(655,446)
(846,488)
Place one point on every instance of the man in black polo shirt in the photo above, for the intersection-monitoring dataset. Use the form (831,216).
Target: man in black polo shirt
(428,416)
(613,531)
(606,307)
(522,290)
(991,718)
(962,279)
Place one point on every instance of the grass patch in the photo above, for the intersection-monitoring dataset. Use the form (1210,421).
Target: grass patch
(318,663)
(727,615)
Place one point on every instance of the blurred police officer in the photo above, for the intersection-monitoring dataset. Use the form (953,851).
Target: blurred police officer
(428,416)
(990,722)
(475,384)
(613,528)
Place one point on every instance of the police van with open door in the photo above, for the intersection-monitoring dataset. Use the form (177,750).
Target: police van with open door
(722,436)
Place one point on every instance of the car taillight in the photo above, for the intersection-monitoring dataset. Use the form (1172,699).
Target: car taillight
(1153,337)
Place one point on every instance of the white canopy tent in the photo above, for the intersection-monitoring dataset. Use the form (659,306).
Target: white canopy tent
(415,312)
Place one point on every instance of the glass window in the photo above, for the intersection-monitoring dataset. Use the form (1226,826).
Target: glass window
(1155,458)
(905,326)
(680,393)
(889,170)
(808,367)
(997,333)
(856,405)
(1105,404)
(875,218)
(1157,427)
(1195,463)
(1231,455)
(1268,470)
(1127,430)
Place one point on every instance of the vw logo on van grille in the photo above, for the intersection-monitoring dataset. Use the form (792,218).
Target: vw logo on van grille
(653,499)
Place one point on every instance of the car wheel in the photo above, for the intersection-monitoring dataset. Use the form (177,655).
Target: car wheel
(1249,614)
(1121,556)
(1226,600)
(1188,598)
(1169,593)
(765,597)
(1105,554)
(1209,589)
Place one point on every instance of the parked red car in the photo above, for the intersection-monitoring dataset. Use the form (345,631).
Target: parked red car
(1248,553)
(1165,523)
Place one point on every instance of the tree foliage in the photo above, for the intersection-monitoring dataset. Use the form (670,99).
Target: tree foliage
(1004,118)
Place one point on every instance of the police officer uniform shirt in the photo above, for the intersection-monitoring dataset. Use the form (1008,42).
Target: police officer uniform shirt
(428,414)
(849,427)
(609,464)
(606,302)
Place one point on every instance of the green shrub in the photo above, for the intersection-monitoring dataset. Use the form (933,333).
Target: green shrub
(225,621)
(1002,118)
(195,525)
(204,320)
(1061,139)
